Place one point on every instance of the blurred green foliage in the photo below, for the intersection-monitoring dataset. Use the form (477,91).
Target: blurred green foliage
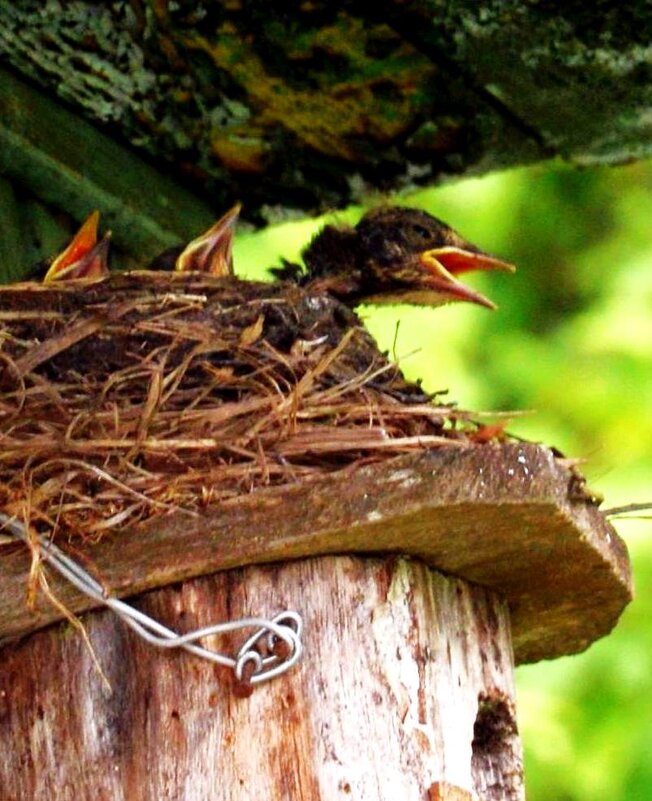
(571,343)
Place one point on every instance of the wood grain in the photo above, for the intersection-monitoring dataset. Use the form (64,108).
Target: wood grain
(387,702)
(508,517)
(73,167)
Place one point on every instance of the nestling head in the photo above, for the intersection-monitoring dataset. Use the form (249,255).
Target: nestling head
(396,255)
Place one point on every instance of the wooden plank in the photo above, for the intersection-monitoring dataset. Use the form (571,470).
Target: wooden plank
(12,248)
(401,667)
(71,165)
(44,231)
(507,517)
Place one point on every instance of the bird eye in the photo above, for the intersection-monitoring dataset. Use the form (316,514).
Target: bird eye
(423,232)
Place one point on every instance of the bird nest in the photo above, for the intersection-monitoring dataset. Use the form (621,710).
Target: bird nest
(128,398)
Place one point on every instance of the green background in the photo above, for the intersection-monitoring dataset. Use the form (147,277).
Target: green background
(571,344)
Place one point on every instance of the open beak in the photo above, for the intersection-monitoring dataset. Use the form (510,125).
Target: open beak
(458,260)
(442,264)
(84,257)
(212,252)
(82,244)
(93,264)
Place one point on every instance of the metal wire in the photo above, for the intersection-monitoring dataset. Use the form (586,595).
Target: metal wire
(259,659)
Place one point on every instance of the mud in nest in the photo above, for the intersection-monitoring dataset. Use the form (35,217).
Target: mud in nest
(149,393)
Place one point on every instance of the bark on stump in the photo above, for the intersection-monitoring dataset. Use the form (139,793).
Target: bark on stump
(405,691)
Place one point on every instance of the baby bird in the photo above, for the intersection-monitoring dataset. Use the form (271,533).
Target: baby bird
(84,257)
(393,255)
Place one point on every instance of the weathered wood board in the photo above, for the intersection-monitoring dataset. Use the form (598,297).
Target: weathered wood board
(70,165)
(327,103)
(506,517)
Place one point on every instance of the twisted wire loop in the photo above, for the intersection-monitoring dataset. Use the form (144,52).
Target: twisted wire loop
(274,647)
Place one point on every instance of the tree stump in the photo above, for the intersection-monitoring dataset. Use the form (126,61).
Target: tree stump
(406,687)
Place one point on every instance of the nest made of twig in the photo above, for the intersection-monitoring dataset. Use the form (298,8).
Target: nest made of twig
(144,393)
